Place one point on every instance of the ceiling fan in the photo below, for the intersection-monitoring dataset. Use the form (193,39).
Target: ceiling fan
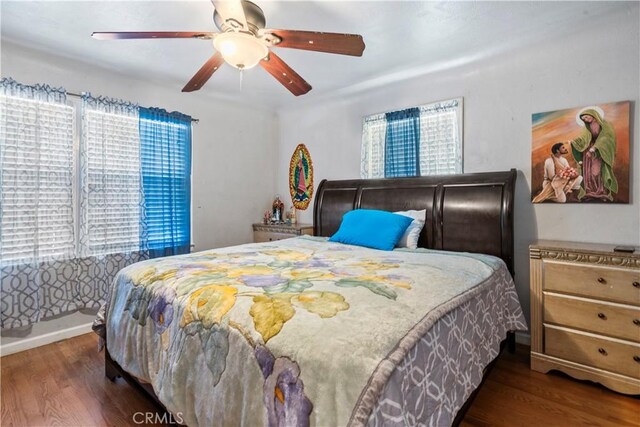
(243,43)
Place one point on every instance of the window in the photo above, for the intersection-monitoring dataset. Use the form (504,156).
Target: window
(36,155)
(166,173)
(425,140)
(111,197)
(76,207)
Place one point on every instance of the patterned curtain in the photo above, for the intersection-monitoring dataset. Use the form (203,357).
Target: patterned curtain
(37,232)
(402,143)
(165,145)
(111,199)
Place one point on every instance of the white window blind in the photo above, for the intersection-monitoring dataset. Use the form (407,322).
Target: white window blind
(111,191)
(36,184)
(374,129)
(440,140)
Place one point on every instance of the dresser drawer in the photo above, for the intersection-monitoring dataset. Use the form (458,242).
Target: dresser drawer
(592,350)
(610,319)
(613,284)
(266,236)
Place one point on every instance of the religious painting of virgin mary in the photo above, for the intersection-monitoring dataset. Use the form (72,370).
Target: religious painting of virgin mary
(581,155)
(301,177)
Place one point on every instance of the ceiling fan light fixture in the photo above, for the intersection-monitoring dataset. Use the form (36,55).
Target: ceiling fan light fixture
(240,50)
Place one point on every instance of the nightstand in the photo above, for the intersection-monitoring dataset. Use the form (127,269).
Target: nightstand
(585,313)
(272,232)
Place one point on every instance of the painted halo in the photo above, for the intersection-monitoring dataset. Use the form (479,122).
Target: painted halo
(301,177)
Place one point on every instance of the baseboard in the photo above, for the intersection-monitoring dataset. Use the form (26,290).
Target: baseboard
(523,338)
(40,340)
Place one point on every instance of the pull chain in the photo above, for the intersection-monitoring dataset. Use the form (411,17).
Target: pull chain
(241,70)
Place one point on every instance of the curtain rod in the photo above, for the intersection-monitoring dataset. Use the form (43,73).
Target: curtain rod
(77,95)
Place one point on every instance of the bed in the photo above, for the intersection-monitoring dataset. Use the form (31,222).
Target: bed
(309,332)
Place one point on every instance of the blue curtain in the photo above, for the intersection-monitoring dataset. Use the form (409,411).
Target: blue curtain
(165,153)
(402,143)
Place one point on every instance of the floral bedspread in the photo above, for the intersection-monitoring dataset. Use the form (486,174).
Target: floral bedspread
(296,332)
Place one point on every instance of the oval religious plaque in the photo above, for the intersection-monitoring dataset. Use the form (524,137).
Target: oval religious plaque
(301,177)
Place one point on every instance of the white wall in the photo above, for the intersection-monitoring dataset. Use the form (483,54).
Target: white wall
(233,146)
(598,65)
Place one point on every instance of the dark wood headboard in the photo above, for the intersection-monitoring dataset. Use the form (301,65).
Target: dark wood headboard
(465,213)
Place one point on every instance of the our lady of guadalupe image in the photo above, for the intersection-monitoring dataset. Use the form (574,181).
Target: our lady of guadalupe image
(581,155)
(301,177)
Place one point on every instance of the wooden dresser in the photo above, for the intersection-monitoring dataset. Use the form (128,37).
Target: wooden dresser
(585,313)
(271,232)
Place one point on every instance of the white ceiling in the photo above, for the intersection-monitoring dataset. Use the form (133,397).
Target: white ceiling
(402,39)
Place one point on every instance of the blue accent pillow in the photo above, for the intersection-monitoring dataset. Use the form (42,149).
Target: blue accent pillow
(372,229)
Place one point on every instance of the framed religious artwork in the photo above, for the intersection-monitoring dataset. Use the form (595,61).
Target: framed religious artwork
(301,177)
(581,155)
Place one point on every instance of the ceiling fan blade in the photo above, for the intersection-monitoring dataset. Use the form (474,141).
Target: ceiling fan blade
(154,35)
(342,44)
(204,73)
(285,74)
(232,13)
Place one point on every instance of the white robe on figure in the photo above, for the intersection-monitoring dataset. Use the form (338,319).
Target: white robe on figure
(559,185)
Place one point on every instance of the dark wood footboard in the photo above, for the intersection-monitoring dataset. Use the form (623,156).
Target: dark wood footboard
(111,369)
(511,342)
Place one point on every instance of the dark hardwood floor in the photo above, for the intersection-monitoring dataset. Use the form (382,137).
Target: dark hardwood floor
(63,384)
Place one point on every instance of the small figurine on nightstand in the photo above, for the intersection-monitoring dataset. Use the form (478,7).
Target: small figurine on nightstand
(278,209)
(266,217)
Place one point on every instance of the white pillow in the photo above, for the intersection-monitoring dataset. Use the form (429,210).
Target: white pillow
(419,215)
(412,234)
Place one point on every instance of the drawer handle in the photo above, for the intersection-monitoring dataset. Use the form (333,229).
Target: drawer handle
(636,358)
(602,280)
(636,284)
(636,322)
(602,316)
(602,351)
